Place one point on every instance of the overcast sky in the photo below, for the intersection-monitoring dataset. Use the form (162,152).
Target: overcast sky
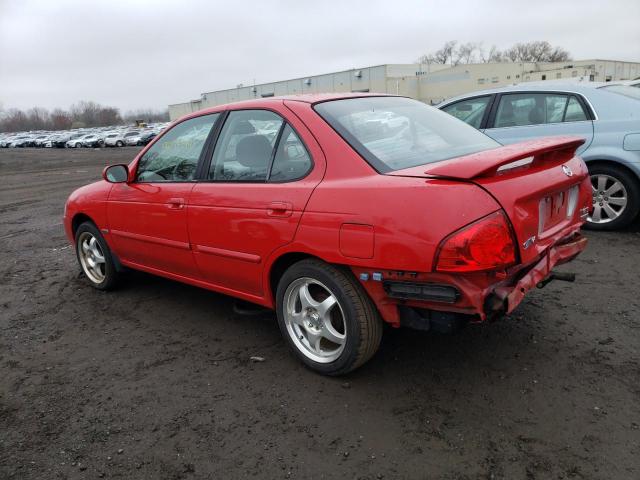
(149,53)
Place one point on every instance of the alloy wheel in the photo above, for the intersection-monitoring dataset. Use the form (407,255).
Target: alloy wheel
(314,320)
(609,198)
(91,257)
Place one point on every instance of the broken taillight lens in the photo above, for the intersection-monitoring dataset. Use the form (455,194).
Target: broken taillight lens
(486,244)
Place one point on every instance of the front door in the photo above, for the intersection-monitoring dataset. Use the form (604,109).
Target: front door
(526,116)
(261,175)
(148,216)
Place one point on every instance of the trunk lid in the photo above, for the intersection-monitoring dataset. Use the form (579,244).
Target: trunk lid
(541,185)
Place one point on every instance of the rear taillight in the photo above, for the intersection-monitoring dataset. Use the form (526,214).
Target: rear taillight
(483,245)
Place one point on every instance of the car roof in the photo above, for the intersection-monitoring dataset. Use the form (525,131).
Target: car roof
(310,98)
(543,86)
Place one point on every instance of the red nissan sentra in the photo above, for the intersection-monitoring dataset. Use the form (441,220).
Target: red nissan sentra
(341,212)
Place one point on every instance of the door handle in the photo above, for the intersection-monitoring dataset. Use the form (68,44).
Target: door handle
(280,209)
(175,203)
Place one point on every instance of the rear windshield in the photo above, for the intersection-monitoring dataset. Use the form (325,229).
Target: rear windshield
(624,90)
(392,133)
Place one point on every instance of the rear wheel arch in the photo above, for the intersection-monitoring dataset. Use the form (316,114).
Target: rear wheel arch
(613,163)
(279,266)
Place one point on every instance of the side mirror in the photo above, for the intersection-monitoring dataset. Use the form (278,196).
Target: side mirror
(116,173)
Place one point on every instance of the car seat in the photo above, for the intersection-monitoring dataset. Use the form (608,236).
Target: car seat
(254,152)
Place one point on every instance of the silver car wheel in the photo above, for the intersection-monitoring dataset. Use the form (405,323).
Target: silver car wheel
(314,320)
(609,198)
(91,257)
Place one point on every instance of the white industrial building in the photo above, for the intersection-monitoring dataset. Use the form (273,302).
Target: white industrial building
(429,83)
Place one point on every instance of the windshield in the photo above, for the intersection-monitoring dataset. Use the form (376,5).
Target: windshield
(623,90)
(393,133)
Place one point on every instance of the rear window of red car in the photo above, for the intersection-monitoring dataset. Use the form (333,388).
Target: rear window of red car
(393,133)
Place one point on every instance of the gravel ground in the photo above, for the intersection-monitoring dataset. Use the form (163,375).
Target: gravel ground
(155,380)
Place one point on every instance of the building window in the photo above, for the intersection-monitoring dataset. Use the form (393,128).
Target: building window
(559,75)
(481,81)
(508,77)
(495,79)
(518,76)
(607,78)
(544,77)
(574,73)
(265,95)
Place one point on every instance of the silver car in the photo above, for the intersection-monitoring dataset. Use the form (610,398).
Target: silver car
(607,116)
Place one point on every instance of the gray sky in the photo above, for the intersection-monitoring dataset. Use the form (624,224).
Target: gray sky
(149,53)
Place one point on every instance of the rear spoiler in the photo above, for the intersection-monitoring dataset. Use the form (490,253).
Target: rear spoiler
(506,159)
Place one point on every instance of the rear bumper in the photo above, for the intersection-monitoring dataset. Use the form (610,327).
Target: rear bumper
(510,296)
(479,296)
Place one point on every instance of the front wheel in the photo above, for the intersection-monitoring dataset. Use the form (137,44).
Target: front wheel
(95,257)
(119,144)
(327,318)
(615,197)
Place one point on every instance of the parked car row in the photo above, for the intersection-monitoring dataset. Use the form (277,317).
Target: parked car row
(119,136)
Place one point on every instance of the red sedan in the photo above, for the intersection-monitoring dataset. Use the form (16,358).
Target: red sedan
(341,212)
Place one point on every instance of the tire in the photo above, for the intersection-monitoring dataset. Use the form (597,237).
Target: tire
(353,319)
(105,275)
(119,144)
(608,176)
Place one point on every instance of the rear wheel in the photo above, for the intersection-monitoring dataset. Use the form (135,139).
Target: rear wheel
(326,317)
(95,257)
(615,198)
(119,144)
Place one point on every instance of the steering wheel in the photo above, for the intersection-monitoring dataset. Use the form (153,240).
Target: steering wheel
(183,170)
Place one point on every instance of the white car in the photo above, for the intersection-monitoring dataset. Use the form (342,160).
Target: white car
(76,141)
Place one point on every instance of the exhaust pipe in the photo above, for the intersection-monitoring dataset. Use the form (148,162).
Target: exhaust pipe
(562,276)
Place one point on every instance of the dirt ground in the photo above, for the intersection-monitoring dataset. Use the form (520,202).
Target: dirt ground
(154,381)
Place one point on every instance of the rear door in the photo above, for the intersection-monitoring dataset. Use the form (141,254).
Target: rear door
(264,168)
(516,117)
(148,216)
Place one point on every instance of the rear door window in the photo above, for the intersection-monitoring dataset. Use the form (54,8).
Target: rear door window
(292,161)
(245,148)
(575,112)
(521,109)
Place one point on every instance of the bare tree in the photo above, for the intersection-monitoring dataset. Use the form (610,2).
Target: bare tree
(559,54)
(148,115)
(492,56)
(466,53)
(60,119)
(536,51)
(82,114)
(444,55)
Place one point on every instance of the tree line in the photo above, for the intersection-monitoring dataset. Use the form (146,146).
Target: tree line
(455,53)
(80,115)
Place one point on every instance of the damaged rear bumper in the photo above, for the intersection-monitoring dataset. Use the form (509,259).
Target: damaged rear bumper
(505,298)
(448,300)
